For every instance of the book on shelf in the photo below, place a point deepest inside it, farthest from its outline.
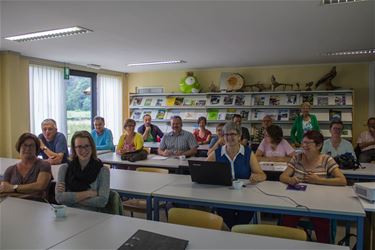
(239, 100)
(261, 100)
(148, 112)
(200, 114)
(307, 98)
(160, 114)
(159, 102)
(215, 99)
(260, 114)
(179, 101)
(201, 102)
(212, 114)
(334, 115)
(189, 115)
(321, 115)
(346, 116)
(321, 101)
(283, 115)
(189, 101)
(228, 99)
(347, 133)
(229, 114)
(340, 100)
(349, 99)
(136, 114)
(170, 100)
(245, 114)
(221, 115)
(172, 113)
(148, 101)
(137, 101)
(146, 240)
(293, 114)
(291, 99)
(274, 100)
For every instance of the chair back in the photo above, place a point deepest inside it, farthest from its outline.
(195, 218)
(153, 170)
(114, 204)
(272, 231)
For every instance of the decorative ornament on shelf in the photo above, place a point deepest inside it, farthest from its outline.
(213, 88)
(190, 84)
(309, 85)
(231, 82)
(327, 80)
(276, 84)
(259, 87)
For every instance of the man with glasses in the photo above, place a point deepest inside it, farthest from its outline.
(366, 142)
(266, 122)
(53, 145)
(335, 145)
(178, 142)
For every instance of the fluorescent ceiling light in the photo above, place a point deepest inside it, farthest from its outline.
(351, 52)
(156, 63)
(329, 2)
(49, 34)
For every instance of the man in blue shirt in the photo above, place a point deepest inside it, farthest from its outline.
(102, 136)
(53, 145)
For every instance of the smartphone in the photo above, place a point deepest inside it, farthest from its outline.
(297, 187)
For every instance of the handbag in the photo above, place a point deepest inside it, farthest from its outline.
(137, 155)
(347, 161)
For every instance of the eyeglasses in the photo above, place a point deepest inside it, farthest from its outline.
(80, 147)
(32, 145)
(230, 134)
(307, 142)
(337, 129)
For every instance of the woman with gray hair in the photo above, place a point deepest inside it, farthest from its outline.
(243, 164)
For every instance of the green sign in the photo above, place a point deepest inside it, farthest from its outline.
(66, 73)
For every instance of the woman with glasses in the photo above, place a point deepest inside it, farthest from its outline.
(29, 178)
(84, 182)
(243, 164)
(273, 146)
(336, 145)
(303, 123)
(130, 140)
(315, 168)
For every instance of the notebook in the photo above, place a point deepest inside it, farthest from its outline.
(146, 240)
(210, 172)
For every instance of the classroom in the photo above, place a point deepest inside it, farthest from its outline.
(278, 97)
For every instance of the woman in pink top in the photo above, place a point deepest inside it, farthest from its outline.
(202, 135)
(273, 147)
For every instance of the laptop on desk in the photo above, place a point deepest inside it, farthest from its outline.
(210, 172)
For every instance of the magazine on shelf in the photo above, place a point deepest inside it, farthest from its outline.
(189, 101)
(200, 114)
(221, 115)
(228, 99)
(148, 112)
(201, 102)
(334, 115)
(229, 114)
(212, 114)
(245, 114)
(189, 115)
(321, 101)
(321, 115)
(274, 100)
(260, 114)
(261, 100)
(283, 115)
(346, 116)
(307, 98)
(340, 100)
(137, 101)
(239, 100)
(172, 113)
(160, 102)
(179, 101)
(291, 99)
(215, 99)
(349, 99)
(171, 100)
(160, 114)
(293, 114)
(136, 115)
(148, 101)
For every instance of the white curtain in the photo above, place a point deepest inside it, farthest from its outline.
(109, 103)
(47, 97)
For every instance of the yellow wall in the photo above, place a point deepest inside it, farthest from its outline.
(348, 76)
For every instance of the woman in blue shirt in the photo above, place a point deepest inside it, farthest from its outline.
(335, 145)
(102, 136)
(244, 165)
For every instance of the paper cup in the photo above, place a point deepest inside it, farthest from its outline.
(59, 211)
(237, 184)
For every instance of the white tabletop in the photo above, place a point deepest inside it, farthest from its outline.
(32, 225)
(368, 171)
(368, 206)
(322, 199)
(100, 152)
(5, 163)
(112, 233)
(156, 145)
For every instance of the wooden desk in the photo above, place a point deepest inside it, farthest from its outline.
(112, 233)
(32, 225)
(322, 201)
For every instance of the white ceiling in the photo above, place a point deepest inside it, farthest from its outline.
(206, 34)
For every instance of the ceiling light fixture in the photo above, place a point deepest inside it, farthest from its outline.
(156, 63)
(351, 52)
(94, 66)
(329, 2)
(49, 34)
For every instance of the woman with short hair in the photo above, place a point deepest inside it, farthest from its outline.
(202, 135)
(130, 140)
(335, 145)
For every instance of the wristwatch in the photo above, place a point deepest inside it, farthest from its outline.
(15, 188)
(44, 148)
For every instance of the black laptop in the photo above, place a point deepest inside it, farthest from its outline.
(210, 172)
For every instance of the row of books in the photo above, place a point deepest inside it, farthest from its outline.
(254, 115)
(296, 99)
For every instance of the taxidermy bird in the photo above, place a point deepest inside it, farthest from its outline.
(327, 80)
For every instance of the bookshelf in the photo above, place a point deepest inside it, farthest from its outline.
(218, 107)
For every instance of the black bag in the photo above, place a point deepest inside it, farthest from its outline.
(347, 161)
(137, 155)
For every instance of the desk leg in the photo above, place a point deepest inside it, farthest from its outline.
(372, 230)
(149, 207)
(156, 209)
(360, 238)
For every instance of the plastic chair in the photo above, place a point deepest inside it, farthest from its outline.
(272, 231)
(139, 205)
(195, 218)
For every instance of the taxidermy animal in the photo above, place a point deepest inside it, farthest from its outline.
(327, 80)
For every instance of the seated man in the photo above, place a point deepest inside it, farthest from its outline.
(178, 141)
(149, 132)
(266, 122)
(102, 136)
(245, 137)
(366, 142)
(53, 144)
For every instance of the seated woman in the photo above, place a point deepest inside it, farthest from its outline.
(315, 168)
(130, 141)
(273, 147)
(244, 165)
(29, 178)
(336, 145)
(84, 182)
(102, 136)
(216, 140)
(202, 135)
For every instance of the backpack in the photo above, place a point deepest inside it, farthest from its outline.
(137, 155)
(347, 161)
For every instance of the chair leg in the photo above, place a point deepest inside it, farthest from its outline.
(131, 214)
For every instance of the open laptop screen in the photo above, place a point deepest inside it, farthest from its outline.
(210, 172)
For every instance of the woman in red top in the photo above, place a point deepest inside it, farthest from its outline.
(202, 135)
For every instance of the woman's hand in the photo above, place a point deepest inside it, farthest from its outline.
(254, 178)
(312, 178)
(5, 187)
(294, 180)
(60, 187)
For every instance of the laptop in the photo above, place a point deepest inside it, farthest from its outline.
(210, 172)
